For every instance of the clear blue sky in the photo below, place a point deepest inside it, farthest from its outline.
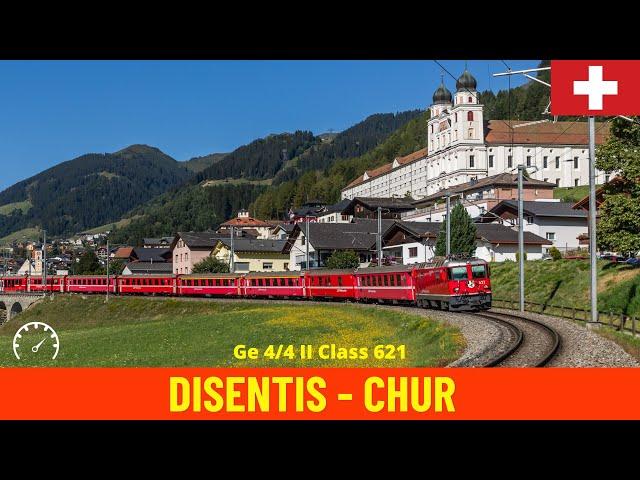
(52, 111)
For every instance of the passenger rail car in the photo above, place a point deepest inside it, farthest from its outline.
(462, 284)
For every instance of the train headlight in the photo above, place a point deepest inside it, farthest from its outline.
(456, 289)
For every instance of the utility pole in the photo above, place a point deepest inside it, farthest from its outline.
(521, 236)
(448, 198)
(592, 221)
(232, 263)
(379, 237)
(306, 234)
(107, 299)
(44, 262)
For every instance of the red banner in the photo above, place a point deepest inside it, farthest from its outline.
(320, 394)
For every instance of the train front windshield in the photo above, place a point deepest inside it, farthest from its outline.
(458, 273)
(478, 271)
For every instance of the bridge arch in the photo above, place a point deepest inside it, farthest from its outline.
(16, 308)
(4, 314)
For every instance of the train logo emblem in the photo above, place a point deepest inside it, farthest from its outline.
(471, 284)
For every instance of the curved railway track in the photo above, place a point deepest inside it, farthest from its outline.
(534, 343)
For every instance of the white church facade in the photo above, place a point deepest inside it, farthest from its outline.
(463, 147)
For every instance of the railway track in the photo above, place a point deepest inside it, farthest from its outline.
(532, 344)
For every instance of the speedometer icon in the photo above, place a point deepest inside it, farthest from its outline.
(36, 338)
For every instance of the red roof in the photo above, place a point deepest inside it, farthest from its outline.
(123, 252)
(246, 222)
(545, 133)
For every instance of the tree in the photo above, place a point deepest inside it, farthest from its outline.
(343, 259)
(88, 264)
(115, 267)
(463, 234)
(619, 222)
(211, 265)
(555, 254)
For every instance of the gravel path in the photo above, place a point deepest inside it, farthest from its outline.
(581, 347)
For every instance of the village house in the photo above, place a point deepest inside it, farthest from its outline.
(555, 221)
(250, 225)
(161, 242)
(478, 196)
(309, 211)
(335, 213)
(325, 238)
(415, 242)
(390, 208)
(253, 255)
(189, 248)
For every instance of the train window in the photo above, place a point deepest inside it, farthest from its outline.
(291, 282)
(478, 271)
(339, 281)
(392, 280)
(374, 281)
(458, 273)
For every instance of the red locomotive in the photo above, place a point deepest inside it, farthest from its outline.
(448, 284)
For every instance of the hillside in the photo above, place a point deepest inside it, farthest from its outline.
(90, 190)
(566, 282)
(207, 201)
(198, 164)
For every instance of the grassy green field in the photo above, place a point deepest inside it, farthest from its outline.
(34, 234)
(236, 181)
(130, 331)
(566, 282)
(572, 194)
(24, 207)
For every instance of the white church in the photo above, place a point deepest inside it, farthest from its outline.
(462, 147)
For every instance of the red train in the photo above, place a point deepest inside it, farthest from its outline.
(445, 284)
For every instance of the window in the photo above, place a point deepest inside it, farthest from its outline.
(606, 179)
(509, 161)
(470, 114)
(286, 265)
(413, 252)
(551, 235)
(455, 117)
(458, 273)
(575, 182)
(267, 265)
(546, 179)
(490, 161)
(575, 162)
(471, 100)
(557, 162)
(303, 240)
(528, 160)
(545, 162)
(242, 266)
(478, 271)
(472, 161)
(557, 182)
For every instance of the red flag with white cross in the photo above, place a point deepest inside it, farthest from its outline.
(595, 87)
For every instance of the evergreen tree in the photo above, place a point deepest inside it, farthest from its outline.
(463, 234)
(343, 259)
(211, 265)
(88, 264)
(619, 223)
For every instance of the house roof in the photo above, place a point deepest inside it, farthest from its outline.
(372, 203)
(387, 167)
(245, 222)
(499, 180)
(148, 267)
(541, 209)
(152, 254)
(546, 133)
(157, 241)
(124, 252)
(255, 245)
(584, 202)
(336, 207)
(287, 227)
(198, 240)
(493, 233)
(342, 236)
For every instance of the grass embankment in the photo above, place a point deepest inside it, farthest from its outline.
(572, 194)
(566, 282)
(130, 331)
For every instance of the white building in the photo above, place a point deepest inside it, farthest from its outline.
(462, 147)
(558, 222)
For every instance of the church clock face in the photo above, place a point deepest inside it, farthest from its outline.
(36, 339)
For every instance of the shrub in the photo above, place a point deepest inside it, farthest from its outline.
(555, 253)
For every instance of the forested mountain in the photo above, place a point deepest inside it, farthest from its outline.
(90, 190)
(261, 158)
(190, 208)
(198, 164)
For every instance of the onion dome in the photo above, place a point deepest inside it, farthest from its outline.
(466, 81)
(442, 95)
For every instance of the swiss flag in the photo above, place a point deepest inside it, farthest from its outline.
(595, 87)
